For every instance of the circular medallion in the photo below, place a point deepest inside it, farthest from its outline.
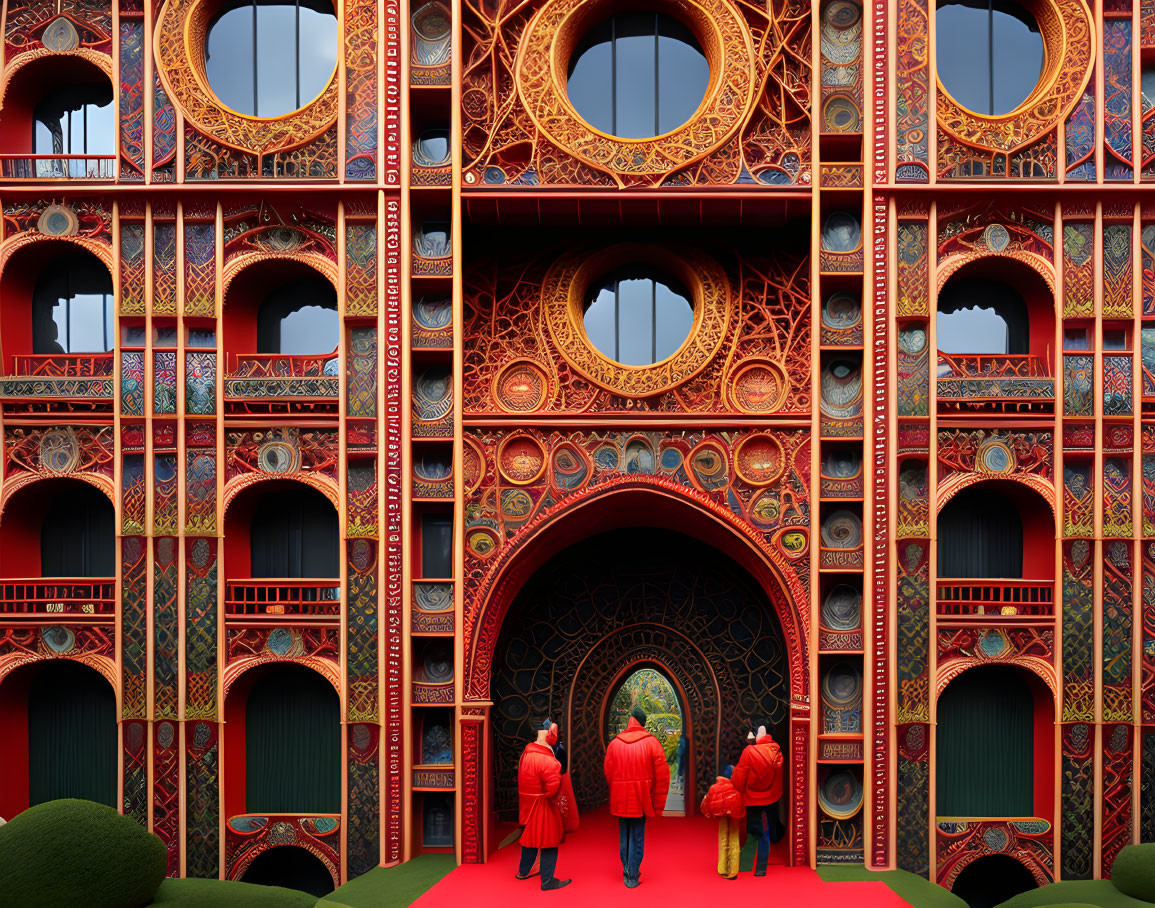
(283, 642)
(840, 114)
(56, 220)
(759, 460)
(709, 466)
(200, 553)
(472, 466)
(521, 459)
(570, 466)
(59, 451)
(481, 541)
(842, 529)
(841, 463)
(671, 459)
(912, 341)
(320, 825)
(993, 643)
(841, 232)
(433, 394)
(521, 387)
(639, 458)
(997, 237)
(842, 686)
(60, 35)
(57, 639)
(433, 314)
(911, 556)
(516, 504)
(759, 386)
(247, 825)
(165, 734)
(841, 310)
(995, 456)
(841, 14)
(606, 457)
(842, 608)
(202, 735)
(361, 555)
(842, 389)
(276, 457)
(361, 737)
(431, 24)
(437, 666)
(433, 597)
(915, 737)
(840, 795)
(542, 68)
(996, 838)
(793, 542)
(765, 509)
(565, 293)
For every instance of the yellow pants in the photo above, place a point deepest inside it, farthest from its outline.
(728, 848)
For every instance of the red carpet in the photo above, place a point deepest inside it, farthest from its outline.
(678, 869)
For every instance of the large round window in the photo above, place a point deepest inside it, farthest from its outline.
(990, 54)
(267, 58)
(637, 75)
(638, 318)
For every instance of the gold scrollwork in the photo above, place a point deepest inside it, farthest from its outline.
(542, 64)
(564, 297)
(179, 46)
(1068, 40)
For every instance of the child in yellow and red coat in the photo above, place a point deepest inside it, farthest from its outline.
(723, 803)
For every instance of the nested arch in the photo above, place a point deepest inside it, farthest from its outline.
(323, 484)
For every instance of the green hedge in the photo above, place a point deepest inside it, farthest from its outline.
(70, 852)
(1133, 872)
(194, 893)
(1100, 893)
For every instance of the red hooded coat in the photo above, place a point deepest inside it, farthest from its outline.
(723, 800)
(758, 775)
(538, 781)
(637, 773)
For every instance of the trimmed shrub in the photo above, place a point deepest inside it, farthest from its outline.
(71, 852)
(1133, 872)
(194, 893)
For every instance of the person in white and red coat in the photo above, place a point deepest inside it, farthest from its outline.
(758, 779)
(538, 784)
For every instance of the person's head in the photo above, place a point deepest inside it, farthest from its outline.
(546, 731)
(762, 735)
(640, 714)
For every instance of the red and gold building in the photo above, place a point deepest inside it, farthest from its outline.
(337, 443)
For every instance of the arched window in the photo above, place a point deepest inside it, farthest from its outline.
(980, 534)
(78, 535)
(650, 689)
(299, 318)
(980, 315)
(72, 307)
(986, 745)
(266, 58)
(431, 149)
(294, 533)
(75, 119)
(292, 867)
(637, 75)
(992, 880)
(994, 56)
(638, 318)
(292, 743)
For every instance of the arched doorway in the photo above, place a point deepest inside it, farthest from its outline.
(992, 880)
(291, 867)
(58, 725)
(618, 602)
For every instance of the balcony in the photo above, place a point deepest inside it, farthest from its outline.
(977, 601)
(54, 381)
(998, 382)
(45, 598)
(258, 601)
(280, 383)
(45, 167)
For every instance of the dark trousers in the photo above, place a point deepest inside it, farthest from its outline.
(548, 863)
(762, 821)
(632, 832)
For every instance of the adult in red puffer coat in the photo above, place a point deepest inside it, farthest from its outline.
(538, 783)
(758, 779)
(639, 780)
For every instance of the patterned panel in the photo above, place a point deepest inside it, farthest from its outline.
(1078, 268)
(1078, 502)
(1117, 613)
(361, 378)
(202, 787)
(164, 268)
(166, 786)
(201, 494)
(1117, 387)
(200, 264)
(1078, 632)
(361, 639)
(913, 842)
(1080, 132)
(360, 269)
(164, 381)
(1078, 384)
(132, 492)
(163, 134)
(1078, 801)
(200, 382)
(1147, 788)
(361, 89)
(165, 628)
(132, 269)
(1117, 293)
(132, 383)
(1117, 756)
(912, 128)
(166, 488)
(135, 803)
(1117, 497)
(1147, 251)
(131, 99)
(364, 774)
(913, 371)
(913, 715)
(913, 273)
(134, 629)
(1118, 161)
(201, 629)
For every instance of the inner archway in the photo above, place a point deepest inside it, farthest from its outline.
(628, 598)
(991, 880)
(651, 689)
(291, 867)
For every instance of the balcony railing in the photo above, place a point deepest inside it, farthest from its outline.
(64, 365)
(987, 365)
(58, 596)
(280, 365)
(982, 598)
(278, 599)
(58, 166)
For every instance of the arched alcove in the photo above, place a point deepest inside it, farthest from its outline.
(58, 725)
(996, 529)
(291, 867)
(58, 528)
(991, 880)
(282, 529)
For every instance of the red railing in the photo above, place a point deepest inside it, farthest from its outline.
(278, 365)
(64, 365)
(999, 598)
(58, 596)
(989, 365)
(58, 166)
(253, 598)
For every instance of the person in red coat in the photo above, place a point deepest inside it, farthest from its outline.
(538, 783)
(723, 803)
(758, 779)
(639, 780)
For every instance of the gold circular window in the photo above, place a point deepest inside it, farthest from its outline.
(1068, 55)
(180, 52)
(566, 292)
(547, 47)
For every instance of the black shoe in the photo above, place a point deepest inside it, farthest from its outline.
(633, 882)
(759, 873)
(555, 883)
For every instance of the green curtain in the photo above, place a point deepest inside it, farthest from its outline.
(293, 744)
(71, 735)
(985, 745)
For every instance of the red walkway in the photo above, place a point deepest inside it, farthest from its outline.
(679, 869)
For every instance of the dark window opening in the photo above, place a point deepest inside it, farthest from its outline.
(994, 56)
(992, 880)
(1115, 340)
(638, 319)
(1075, 339)
(295, 534)
(299, 319)
(432, 148)
(1147, 86)
(75, 119)
(72, 307)
(637, 75)
(980, 534)
(292, 744)
(436, 546)
(78, 536)
(266, 58)
(292, 868)
(978, 315)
